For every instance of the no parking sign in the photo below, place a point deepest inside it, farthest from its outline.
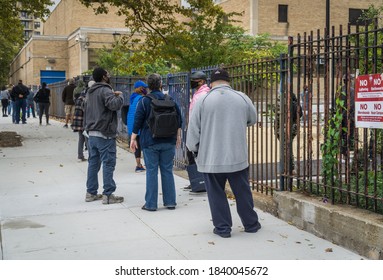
(369, 101)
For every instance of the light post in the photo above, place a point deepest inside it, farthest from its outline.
(116, 37)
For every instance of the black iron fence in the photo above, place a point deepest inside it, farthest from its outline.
(305, 138)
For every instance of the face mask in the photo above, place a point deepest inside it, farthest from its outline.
(193, 84)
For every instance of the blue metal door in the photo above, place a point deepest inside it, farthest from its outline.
(51, 76)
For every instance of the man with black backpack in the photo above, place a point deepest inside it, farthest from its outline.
(158, 118)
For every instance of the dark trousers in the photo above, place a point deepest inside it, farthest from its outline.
(31, 107)
(137, 153)
(190, 157)
(44, 109)
(82, 142)
(219, 206)
(21, 104)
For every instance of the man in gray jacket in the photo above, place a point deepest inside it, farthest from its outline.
(102, 104)
(217, 136)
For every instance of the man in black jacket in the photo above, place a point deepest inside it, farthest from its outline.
(19, 94)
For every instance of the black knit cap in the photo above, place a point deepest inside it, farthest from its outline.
(219, 74)
(198, 75)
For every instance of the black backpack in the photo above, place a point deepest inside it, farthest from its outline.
(163, 119)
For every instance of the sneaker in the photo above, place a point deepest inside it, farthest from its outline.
(222, 234)
(140, 169)
(148, 209)
(254, 230)
(111, 199)
(187, 188)
(197, 193)
(92, 197)
(65, 125)
(171, 207)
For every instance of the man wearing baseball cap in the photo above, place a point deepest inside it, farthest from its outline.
(140, 89)
(217, 135)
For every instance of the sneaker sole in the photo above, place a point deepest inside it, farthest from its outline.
(112, 202)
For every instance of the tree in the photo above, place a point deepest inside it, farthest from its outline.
(11, 31)
(201, 34)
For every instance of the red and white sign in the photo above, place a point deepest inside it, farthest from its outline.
(369, 101)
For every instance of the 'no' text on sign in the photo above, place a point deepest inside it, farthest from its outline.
(369, 101)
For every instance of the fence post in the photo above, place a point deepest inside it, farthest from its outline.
(282, 90)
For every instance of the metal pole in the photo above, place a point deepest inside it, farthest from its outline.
(327, 18)
(282, 89)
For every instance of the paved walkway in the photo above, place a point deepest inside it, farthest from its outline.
(43, 214)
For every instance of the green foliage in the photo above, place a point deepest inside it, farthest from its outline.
(122, 62)
(366, 186)
(186, 37)
(371, 13)
(330, 148)
(11, 31)
(366, 64)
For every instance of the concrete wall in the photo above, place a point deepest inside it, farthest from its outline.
(356, 229)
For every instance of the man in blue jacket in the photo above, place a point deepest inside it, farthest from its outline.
(135, 97)
(102, 104)
(217, 135)
(158, 152)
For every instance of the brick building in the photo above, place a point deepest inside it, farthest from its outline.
(67, 48)
(73, 33)
(283, 18)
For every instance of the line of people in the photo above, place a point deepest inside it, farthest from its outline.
(19, 102)
(220, 152)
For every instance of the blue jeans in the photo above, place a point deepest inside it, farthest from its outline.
(20, 104)
(10, 105)
(160, 155)
(101, 151)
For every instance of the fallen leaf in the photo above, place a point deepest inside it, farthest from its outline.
(61, 165)
(270, 240)
(328, 250)
(211, 243)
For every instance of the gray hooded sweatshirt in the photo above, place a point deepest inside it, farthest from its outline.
(217, 130)
(101, 109)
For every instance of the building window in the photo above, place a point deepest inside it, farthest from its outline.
(282, 13)
(24, 14)
(354, 17)
(37, 24)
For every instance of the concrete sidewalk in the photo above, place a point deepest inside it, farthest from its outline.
(44, 216)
